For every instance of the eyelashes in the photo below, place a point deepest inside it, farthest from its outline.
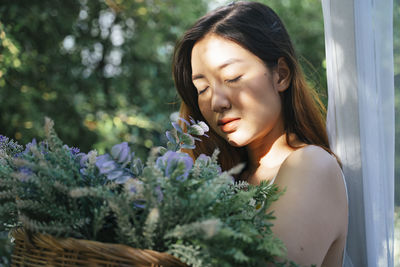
(202, 91)
(234, 80)
(227, 81)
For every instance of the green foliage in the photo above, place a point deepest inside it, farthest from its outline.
(173, 204)
(101, 69)
(40, 179)
(8, 208)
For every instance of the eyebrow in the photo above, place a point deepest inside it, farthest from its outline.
(225, 64)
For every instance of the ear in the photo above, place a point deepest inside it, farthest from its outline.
(282, 75)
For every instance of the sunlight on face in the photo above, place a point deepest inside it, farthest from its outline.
(237, 92)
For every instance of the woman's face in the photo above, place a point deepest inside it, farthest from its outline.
(237, 94)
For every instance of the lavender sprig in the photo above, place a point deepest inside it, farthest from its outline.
(178, 139)
(9, 146)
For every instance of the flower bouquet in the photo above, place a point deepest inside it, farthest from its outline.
(170, 211)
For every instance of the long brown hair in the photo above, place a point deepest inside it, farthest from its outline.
(257, 28)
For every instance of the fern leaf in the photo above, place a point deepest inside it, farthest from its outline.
(150, 227)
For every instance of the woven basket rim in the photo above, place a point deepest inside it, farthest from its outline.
(107, 251)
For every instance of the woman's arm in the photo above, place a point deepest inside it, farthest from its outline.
(311, 213)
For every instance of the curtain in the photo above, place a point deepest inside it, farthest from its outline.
(360, 121)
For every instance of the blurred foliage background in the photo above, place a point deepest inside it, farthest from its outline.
(101, 69)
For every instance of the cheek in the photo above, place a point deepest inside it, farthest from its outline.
(205, 109)
(260, 104)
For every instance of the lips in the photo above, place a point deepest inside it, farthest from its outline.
(228, 125)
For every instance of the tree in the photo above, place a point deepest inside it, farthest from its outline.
(100, 69)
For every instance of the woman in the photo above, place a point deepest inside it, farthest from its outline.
(236, 69)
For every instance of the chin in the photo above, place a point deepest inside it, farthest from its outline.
(237, 141)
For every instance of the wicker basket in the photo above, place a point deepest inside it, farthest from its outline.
(45, 250)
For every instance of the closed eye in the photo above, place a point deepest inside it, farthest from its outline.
(202, 91)
(234, 80)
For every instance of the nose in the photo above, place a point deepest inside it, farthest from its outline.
(220, 101)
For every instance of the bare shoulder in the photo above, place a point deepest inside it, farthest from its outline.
(312, 160)
(310, 166)
(314, 171)
(311, 214)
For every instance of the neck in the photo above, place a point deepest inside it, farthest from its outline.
(266, 154)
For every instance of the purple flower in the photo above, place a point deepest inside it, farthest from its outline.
(25, 173)
(161, 162)
(73, 150)
(184, 121)
(83, 161)
(121, 152)
(29, 145)
(26, 170)
(112, 170)
(44, 147)
(141, 204)
(176, 163)
(10, 147)
(83, 158)
(192, 121)
(170, 137)
(83, 171)
(106, 164)
(177, 127)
